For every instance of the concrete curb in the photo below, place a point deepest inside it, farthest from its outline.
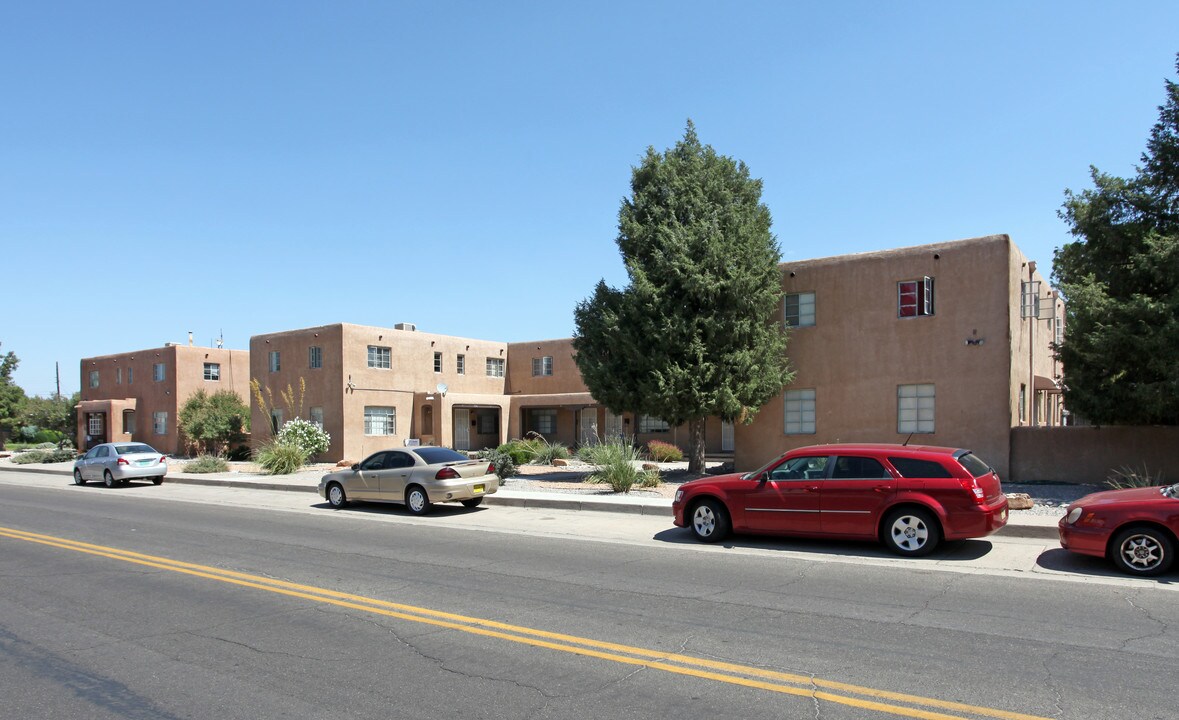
(1045, 529)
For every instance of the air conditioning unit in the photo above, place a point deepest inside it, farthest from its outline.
(405, 326)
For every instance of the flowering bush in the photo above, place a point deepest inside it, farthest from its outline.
(305, 435)
(664, 452)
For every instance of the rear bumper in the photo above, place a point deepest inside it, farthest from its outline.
(462, 488)
(131, 472)
(979, 521)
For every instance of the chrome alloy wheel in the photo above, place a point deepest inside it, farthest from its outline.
(1142, 552)
(909, 533)
(704, 520)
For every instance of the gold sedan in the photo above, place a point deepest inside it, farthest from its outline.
(416, 477)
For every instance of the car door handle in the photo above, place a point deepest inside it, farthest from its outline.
(882, 488)
(813, 488)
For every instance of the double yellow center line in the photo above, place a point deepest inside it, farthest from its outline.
(857, 696)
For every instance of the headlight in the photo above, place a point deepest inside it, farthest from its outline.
(679, 495)
(1074, 515)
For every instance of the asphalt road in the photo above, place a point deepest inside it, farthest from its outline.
(192, 602)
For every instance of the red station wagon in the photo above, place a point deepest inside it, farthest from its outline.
(908, 497)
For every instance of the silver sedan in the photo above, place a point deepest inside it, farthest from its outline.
(416, 477)
(119, 462)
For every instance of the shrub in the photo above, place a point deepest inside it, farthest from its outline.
(1130, 477)
(238, 453)
(664, 452)
(616, 466)
(650, 479)
(304, 434)
(279, 458)
(51, 455)
(545, 452)
(206, 464)
(505, 466)
(521, 451)
(46, 445)
(64, 454)
(30, 457)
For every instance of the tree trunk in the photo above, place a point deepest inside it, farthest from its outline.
(696, 446)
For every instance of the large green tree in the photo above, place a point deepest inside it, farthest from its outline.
(53, 413)
(12, 397)
(694, 334)
(1120, 280)
(214, 422)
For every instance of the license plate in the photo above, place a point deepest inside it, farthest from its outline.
(479, 488)
(144, 462)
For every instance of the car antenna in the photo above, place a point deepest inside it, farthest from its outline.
(906, 442)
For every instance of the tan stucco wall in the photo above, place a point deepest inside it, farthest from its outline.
(1091, 454)
(183, 376)
(859, 351)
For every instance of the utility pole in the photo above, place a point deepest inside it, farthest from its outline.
(57, 371)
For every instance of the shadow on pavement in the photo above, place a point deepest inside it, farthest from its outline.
(954, 551)
(1061, 560)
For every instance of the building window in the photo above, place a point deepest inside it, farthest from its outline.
(157, 372)
(380, 420)
(649, 424)
(275, 361)
(495, 367)
(1023, 404)
(380, 357)
(93, 378)
(317, 417)
(119, 376)
(542, 421)
(94, 425)
(488, 422)
(315, 357)
(915, 297)
(275, 419)
(159, 423)
(542, 366)
(129, 422)
(1059, 328)
(212, 371)
(800, 412)
(460, 365)
(915, 408)
(799, 309)
(437, 362)
(1030, 305)
(130, 375)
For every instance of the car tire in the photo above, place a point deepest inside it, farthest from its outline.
(336, 496)
(709, 521)
(78, 479)
(911, 532)
(473, 502)
(108, 479)
(1142, 551)
(417, 501)
(158, 480)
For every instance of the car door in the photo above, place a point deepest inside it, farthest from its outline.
(784, 499)
(365, 483)
(398, 466)
(104, 458)
(857, 490)
(86, 467)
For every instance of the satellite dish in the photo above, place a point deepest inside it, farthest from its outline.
(441, 388)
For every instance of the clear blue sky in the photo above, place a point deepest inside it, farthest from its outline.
(250, 167)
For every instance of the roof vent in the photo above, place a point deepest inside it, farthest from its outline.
(168, 344)
(405, 326)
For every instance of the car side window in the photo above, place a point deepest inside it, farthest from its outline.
(801, 468)
(104, 451)
(374, 462)
(850, 467)
(396, 460)
(914, 468)
(91, 454)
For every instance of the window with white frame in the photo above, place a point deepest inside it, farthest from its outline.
(437, 362)
(542, 420)
(915, 297)
(542, 366)
(317, 416)
(159, 423)
(315, 357)
(275, 360)
(380, 420)
(460, 365)
(157, 372)
(800, 411)
(213, 371)
(93, 378)
(651, 424)
(495, 367)
(1029, 306)
(380, 357)
(94, 424)
(798, 309)
(915, 408)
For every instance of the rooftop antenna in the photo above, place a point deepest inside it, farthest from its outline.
(906, 442)
(221, 339)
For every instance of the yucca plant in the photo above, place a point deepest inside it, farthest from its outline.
(1130, 477)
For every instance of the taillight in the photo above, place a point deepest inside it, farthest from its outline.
(971, 486)
(490, 468)
(163, 460)
(122, 461)
(447, 473)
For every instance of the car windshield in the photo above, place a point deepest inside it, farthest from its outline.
(764, 468)
(135, 449)
(437, 455)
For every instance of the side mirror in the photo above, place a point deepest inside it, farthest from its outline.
(356, 467)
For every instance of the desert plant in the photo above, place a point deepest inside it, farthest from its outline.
(1130, 477)
(62, 454)
(206, 464)
(664, 452)
(543, 451)
(505, 466)
(29, 457)
(617, 466)
(521, 451)
(306, 435)
(279, 458)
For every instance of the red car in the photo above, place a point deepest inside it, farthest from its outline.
(1136, 528)
(908, 497)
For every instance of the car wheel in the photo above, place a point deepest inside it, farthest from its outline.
(78, 479)
(417, 500)
(1143, 551)
(710, 521)
(473, 502)
(911, 532)
(335, 496)
(108, 479)
(158, 480)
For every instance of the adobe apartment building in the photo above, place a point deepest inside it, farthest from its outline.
(138, 395)
(949, 343)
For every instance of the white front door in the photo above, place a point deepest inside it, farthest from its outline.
(727, 439)
(462, 429)
(589, 426)
(613, 426)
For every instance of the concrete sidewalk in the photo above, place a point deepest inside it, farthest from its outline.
(1020, 523)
